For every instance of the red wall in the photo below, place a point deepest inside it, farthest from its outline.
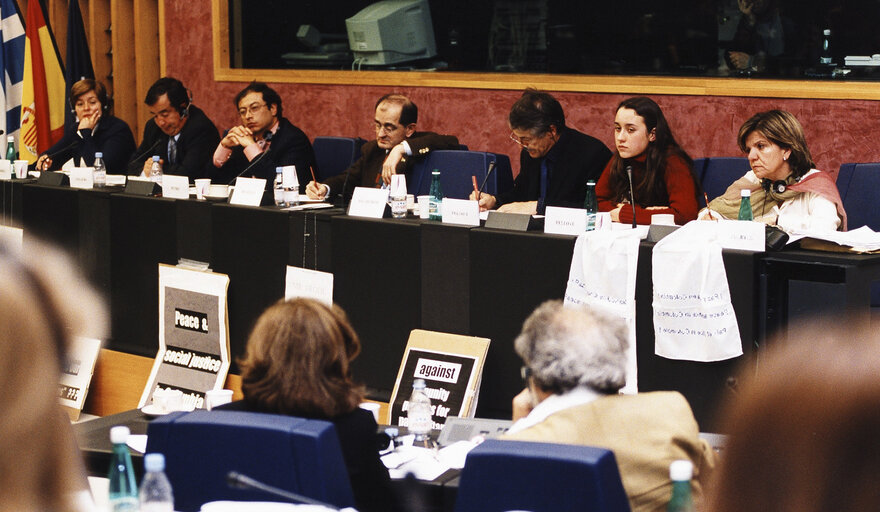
(837, 131)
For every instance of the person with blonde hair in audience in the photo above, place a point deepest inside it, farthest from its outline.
(43, 304)
(803, 429)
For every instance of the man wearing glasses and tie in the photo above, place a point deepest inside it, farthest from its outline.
(396, 147)
(263, 141)
(179, 132)
(555, 161)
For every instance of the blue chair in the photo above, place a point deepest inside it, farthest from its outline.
(295, 454)
(503, 475)
(456, 169)
(721, 172)
(858, 185)
(334, 155)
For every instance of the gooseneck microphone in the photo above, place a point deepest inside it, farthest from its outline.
(632, 200)
(488, 173)
(236, 480)
(53, 154)
(141, 155)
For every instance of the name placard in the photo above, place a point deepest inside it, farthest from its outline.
(565, 221)
(742, 235)
(82, 177)
(461, 211)
(312, 284)
(368, 202)
(5, 170)
(248, 191)
(175, 187)
(76, 374)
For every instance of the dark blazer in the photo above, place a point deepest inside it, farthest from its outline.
(368, 168)
(289, 146)
(112, 137)
(573, 160)
(195, 146)
(359, 439)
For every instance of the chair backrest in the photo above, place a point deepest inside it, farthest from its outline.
(334, 155)
(503, 475)
(295, 454)
(456, 169)
(858, 185)
(721, 172)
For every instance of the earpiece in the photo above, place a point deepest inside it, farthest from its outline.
(184, 111)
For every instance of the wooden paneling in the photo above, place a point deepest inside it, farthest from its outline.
(146, 51)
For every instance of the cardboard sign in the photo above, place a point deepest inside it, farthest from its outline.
(311, 284)
(565, 221)
(175, 187)
(451, 366)
(368, 202)
(193, 351)
(461, 211)
(82, 177)
(248, 191)
(76, 374)
(5, 170)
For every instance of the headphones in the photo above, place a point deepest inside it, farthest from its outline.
(184, 111)
(777, 187)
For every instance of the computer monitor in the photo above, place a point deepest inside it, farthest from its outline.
(391, 31)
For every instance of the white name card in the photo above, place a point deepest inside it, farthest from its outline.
(5, 170)
(175, 187)
(248, 191)
(742, 235)
(368, 202)
(311, 284)
(461, 211)
(565, 221)
(82, 177)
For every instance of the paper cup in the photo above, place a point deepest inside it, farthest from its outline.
(410, 202)
(217, 397)
(20, 167)
(373, 407)
(603, 221)
(663, 219)
(202, 185)
(424, 209)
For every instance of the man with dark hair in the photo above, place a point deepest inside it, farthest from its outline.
(396, 139)
(179, 132)
(265, 140)
(555, 162)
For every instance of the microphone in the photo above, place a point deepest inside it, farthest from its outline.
(488, 173)
(253, 163)
(141, 155)
(632, 200)
(236, 480)
(53, 154)
(344, 184)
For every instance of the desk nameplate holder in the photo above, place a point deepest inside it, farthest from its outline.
(53, 178)
(513, 221)
(141, 188)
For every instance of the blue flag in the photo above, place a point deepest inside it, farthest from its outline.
(12, 64)
(78, 64)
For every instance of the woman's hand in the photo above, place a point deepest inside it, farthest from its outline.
(88, 122)
(43, 163)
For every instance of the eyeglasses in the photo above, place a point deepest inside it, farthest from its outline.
(387, 127)
(253, 109)
(525, 141)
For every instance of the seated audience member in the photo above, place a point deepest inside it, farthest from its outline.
(766, 40)
(396, 139)
(179, 132)
(43, 304)
(555, 161)
(803, 426)
(97, 130)
(298, 362)
(265, 140)
(786, 191)
(575, 364)
(662, 173)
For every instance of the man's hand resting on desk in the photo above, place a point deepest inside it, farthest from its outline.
(316, 190)
(527, 207)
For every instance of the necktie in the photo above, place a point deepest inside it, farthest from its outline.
(172, 151)
(544, 176)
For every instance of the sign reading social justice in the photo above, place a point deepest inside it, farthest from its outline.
(451, 366)
(193, 335)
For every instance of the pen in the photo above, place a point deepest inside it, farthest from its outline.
(312, 170)
(476, 188)
(706, 196)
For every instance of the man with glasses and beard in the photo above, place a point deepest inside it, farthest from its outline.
(263, 141)
(396, 147)
(555, 162)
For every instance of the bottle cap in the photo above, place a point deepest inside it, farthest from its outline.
(154, 462)
(155, 158)
(419, 384)
(745, 193)
(11, 138)
(827, 32)
(119, 434)
(392, 432)
(278, 170)
(435, 172)
(98, 154)
(681, 470)
(591, 183)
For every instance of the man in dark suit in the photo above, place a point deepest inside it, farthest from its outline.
(265, 140)
(395, 149)
(555, 162)
(179, 132)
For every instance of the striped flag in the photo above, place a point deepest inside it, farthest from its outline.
(78, 64)
(12, 64)
(42, 93)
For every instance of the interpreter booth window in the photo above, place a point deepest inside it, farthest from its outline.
(740, 38)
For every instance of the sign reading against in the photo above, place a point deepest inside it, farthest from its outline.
(76, 374)
(193, 335)
(451, 366)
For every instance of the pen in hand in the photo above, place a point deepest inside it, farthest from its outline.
(476, 188)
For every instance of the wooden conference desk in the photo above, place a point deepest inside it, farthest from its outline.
(392, 276)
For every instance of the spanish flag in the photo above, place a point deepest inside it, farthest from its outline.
(42, 95)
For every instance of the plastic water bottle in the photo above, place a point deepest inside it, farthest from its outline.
(100, 174)
(123, 491)
(291, 189)
(155, 492)
(745, 205)
(435, 203)
(825, 51)
(591, 205)
(419, 416)
(681, 472)
(397, 197)
(10, 154)
(279, 188)
(156, 171)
